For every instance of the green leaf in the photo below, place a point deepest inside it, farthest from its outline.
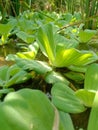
(25, 24)
(73, 57)
(91, 77)
(46, 41)
(54, 77)
(38, 66)
(65, 99)
(3, 70)
(25, 37)
(77, 77)
(34, 47)
(5, 91)
(65, 121)
(31, 53)
(86, 35)
(60, 52)
(93, 119)
(78, 68)
(28, 110)
(26, 55)
(20, 77)
(5, 28)
(66, 43)
(87, 96)
(12, 75)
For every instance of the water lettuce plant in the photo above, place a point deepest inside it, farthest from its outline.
(67, 76)
(5, 30)
(59, 54)
(42, 68)
(24, 110)
(86, 35)
(12, 75)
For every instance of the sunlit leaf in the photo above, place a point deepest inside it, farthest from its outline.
(31, 53)
(86, 96)
(26, 55)
(46, 41)
(91, 77)
(73, 56)
(86, 35)
(5, 30)
(61, 52)
(93, 119)
(54, 77)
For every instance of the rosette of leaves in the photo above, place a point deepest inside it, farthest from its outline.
(89, 95)
(12, 75)
(60, 52)
(31, 110)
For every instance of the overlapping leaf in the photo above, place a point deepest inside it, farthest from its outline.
(5, 30)
(91, 77)
(38, 66)
(54, 77)
(46, 41)
(66, 122)
(65, 99)
(28, 110)
(25, 37)
(12, 75)
(93, 120)
(87, 94)
(75, 57)
(61, 55)
(86, 35)
(77, 77)
(30, 53)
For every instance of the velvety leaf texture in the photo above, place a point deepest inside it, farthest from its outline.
(26, 109)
